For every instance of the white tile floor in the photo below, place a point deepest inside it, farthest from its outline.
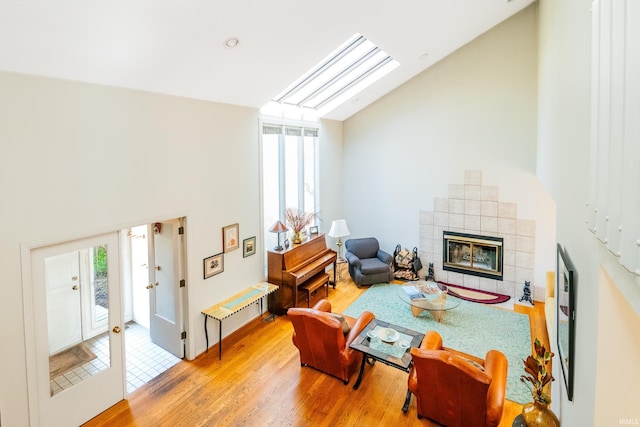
(145, 360)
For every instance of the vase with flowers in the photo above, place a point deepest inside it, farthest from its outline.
(298, 220)
(538, 376)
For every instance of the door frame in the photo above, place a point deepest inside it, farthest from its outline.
(28, 295)
(111, 386)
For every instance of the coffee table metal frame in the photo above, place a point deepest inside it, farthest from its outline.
(394, 357)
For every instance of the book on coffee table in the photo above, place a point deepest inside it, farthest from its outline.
(413, 292)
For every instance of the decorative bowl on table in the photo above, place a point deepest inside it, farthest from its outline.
(388, 335)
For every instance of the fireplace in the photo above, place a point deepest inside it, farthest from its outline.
(472, 254)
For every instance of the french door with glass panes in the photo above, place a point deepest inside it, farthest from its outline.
(77, 330)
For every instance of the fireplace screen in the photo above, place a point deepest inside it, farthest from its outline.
(471, 254)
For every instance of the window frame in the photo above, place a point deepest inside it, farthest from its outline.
(307, 129)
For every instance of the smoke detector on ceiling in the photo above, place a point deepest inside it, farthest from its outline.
(231, 42)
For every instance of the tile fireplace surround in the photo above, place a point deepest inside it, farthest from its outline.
(474, 208)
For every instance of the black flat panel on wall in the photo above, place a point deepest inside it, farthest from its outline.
(566, 283)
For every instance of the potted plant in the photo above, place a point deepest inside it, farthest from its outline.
(298, 220)
(538, 376)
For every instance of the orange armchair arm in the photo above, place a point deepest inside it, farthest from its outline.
(362, 321)
(432, 341)
(496, 366)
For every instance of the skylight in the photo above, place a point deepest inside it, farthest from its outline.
(348, 70)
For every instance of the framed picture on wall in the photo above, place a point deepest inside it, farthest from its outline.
(249, 246)
(213, 265)
(230, 235)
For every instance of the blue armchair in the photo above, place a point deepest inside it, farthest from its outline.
(368, 264)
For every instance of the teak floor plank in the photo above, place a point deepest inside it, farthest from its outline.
(259, 382)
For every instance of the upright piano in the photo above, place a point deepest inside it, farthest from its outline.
(292, 267)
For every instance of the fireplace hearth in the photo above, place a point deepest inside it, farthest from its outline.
(472, 254)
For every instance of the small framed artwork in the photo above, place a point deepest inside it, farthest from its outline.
(230, 235)
(249, 246)
(213, 265)
(313, 229)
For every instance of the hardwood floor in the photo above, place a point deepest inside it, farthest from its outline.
(260, 382)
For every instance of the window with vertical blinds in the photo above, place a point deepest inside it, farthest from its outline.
(288, 173)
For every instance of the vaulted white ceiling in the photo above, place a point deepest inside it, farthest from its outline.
(177, 47)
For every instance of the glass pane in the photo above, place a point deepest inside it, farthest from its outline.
(291, 171)
(62, 275)
(99, 278)
(77, 296)
(270, 187)
(309, 175)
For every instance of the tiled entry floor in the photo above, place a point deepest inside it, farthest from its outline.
(145, 360)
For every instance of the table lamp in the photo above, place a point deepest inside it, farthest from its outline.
(339, 229)
(279, 228)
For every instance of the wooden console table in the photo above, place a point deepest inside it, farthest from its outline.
(234, 304)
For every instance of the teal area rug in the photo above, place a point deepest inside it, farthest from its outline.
(471, 327)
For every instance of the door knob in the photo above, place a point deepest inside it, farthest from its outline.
(116, 329)
(149, 286)
(74, 287)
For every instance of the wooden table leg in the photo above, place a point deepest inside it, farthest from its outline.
(416, 311)
(437, 314)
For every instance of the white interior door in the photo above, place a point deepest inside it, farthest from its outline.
(165, 271)
(85, 396)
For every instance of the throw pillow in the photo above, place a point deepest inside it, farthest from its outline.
(343, 323)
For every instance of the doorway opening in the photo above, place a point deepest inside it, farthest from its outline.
(152, 295)
(152, 261)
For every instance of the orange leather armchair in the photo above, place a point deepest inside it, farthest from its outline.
(320, 339)
(452, 391)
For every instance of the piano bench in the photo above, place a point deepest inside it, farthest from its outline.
(316, 282)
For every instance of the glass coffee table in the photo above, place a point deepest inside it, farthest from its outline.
(386, 343)
(424, 295)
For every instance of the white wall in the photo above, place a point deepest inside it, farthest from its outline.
(73, 160)
(608, 330)
(474, 110)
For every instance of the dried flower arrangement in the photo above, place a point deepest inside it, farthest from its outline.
(298, 220)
